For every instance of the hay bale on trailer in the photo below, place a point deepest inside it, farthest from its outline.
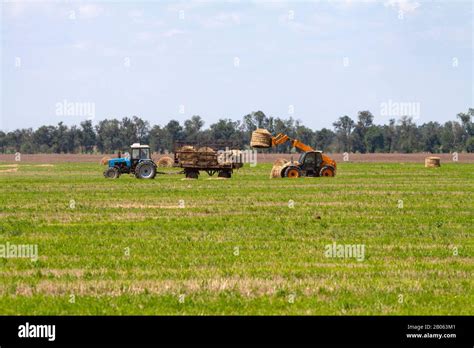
(203, 156)
(187, 154)
(187, 148)
(261, 138)
(432, 162)
(206, 149)
(165, 162)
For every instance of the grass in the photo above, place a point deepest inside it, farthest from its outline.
(128, 247)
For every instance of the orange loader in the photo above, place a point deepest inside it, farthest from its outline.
(311, 163)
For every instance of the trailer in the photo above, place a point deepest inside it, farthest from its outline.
(212, 159)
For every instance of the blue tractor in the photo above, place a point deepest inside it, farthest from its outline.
(138, 163)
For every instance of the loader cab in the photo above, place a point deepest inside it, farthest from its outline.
(311, 162)
(139, 153)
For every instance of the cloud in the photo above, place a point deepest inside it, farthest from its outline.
(21, 8)
(15, 8)
(221, 20)
(90, 11)
(97, 48)
(298, 26)
(187, 5)
(136, 15)
(173, 32)
(315, 24)
(271, 4)
(80, 45)
(145, 36)
(406, 6)
(445, 33)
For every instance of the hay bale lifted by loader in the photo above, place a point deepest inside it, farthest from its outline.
(261, 139)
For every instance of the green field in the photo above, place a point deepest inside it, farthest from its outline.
(238, 246)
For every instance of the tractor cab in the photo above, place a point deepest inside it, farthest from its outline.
(139, 153)
(311, 162)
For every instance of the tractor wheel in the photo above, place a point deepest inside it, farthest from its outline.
(145, 170)
(192, 174)
(326, 171)
(292, 172)
(112, 173)
(224, 174)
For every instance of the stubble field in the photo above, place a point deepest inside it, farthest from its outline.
(247, 245)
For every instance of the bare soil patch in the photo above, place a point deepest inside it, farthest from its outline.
(262, 157)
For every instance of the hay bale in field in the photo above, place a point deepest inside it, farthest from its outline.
(432, 162)
(276, 172)
(280, 162)
(261, 138)
(165, 162)
(105, 160)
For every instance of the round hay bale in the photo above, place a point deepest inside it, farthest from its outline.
(280, 162)
(432, 162)
(187, 153)
(261, 138)
(165, 162)
(276, 172)
(105, 160)
(206, 149)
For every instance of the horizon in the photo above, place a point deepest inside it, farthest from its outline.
(95, 122)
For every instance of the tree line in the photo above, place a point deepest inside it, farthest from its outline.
(348, 135)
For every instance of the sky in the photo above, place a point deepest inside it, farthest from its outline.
(160, 60)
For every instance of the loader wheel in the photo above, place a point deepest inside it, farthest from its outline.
(326, 171)
(112, 173)
(292, 172)
(145, 170)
